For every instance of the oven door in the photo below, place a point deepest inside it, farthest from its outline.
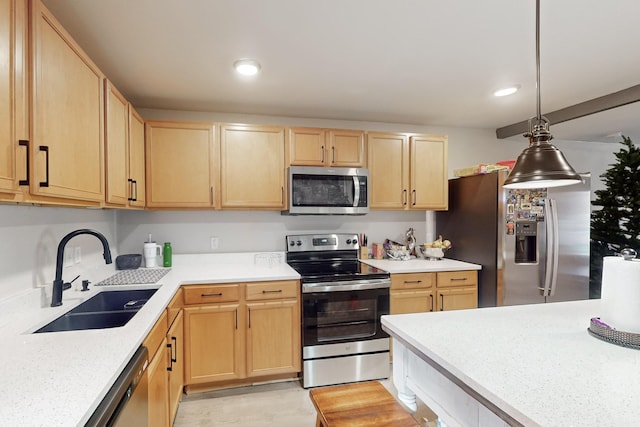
(338, 316)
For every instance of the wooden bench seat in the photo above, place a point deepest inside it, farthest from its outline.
(359, 405)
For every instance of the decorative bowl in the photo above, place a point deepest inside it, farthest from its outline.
(399, 254)
(432, 253)
(128, 261)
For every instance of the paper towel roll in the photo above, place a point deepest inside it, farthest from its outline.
(620, 293)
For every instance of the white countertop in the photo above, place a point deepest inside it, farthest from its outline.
(59, 378)
(536, 363)
(420, 265)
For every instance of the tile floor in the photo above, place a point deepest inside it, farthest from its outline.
(284, 404)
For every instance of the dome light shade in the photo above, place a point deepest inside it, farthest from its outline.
(247, 67)
(541, 165)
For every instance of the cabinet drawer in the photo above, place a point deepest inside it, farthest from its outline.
(412, 280)
(457, 278)
(272, 290)
(157, 335)
(211, 294)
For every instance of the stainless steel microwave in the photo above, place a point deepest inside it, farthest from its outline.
(328, 191)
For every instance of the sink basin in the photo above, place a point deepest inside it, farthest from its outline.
(108, 309)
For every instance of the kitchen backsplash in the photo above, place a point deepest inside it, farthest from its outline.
(29, 236)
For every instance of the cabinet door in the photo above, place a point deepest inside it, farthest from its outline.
(116, 145)
(347, 148)
(414, 301)
(273, 337)
(252, 166)
(457, 298)
(175, 339)
(307, 147)
(180, 160)
(159, 389)
(429, 184)
(214, 343)
(14, 131)
(67, 122)
(388, 170)
(136, 177)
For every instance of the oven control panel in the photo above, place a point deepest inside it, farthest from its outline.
(322, 242)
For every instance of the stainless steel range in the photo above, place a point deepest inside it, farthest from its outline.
(342, 301)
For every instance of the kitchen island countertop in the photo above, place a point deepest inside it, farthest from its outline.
(532, 365)
(59, 378)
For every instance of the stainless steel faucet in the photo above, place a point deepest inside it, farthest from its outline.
(58, 284)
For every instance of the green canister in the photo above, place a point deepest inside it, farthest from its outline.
(166, 254)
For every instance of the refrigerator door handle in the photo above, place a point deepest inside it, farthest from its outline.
(551, 271)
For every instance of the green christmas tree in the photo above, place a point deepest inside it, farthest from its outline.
(617, 224)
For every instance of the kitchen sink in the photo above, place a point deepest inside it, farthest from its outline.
(108, 309)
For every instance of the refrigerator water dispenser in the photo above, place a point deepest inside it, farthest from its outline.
(526, 242)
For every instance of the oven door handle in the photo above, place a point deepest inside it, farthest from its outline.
(346, 286)
(356, 191)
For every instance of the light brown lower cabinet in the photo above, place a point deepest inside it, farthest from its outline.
(165, 373)
(175, 344)
(158, 389)
(424, 292)
(243, 330)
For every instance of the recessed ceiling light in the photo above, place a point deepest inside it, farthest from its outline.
(506, 91)
(247, 67)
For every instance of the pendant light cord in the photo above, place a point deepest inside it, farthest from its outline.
(538, 111)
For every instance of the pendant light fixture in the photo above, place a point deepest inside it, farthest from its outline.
(541, 164)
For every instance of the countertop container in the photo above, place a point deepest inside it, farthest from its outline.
(128, 261)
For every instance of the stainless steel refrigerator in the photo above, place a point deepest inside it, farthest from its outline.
(533, 245)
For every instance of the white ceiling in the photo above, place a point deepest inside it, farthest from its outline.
(424, 62)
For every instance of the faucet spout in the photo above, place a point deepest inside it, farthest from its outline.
(58, 285)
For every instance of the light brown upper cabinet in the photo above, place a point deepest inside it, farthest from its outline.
(116, 146)
(326, 147)
(181, 164)
(14, 103)
(67, 115)
(124, 149)
(407, 171)
(136, 178)
(252, 171)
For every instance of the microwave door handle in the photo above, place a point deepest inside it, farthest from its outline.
(356, 191)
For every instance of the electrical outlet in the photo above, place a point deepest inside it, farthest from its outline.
(77, 254)
(68, 256)
(214, 243)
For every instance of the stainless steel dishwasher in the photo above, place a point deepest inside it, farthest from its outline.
(126, 403)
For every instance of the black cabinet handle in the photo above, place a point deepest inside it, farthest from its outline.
(275, 291)
(135, 197)
(170, 367)
(404, 197)
(219, 294)
(174, 349)
(25, 143)
(441, 302)
(322, 148)
(46, 182)
(414, 197)
(130, 198)
(333, 155)
(431, 296)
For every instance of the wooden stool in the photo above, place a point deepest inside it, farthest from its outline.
(359, 405)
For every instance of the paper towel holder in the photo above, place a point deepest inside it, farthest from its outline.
(628, 254)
